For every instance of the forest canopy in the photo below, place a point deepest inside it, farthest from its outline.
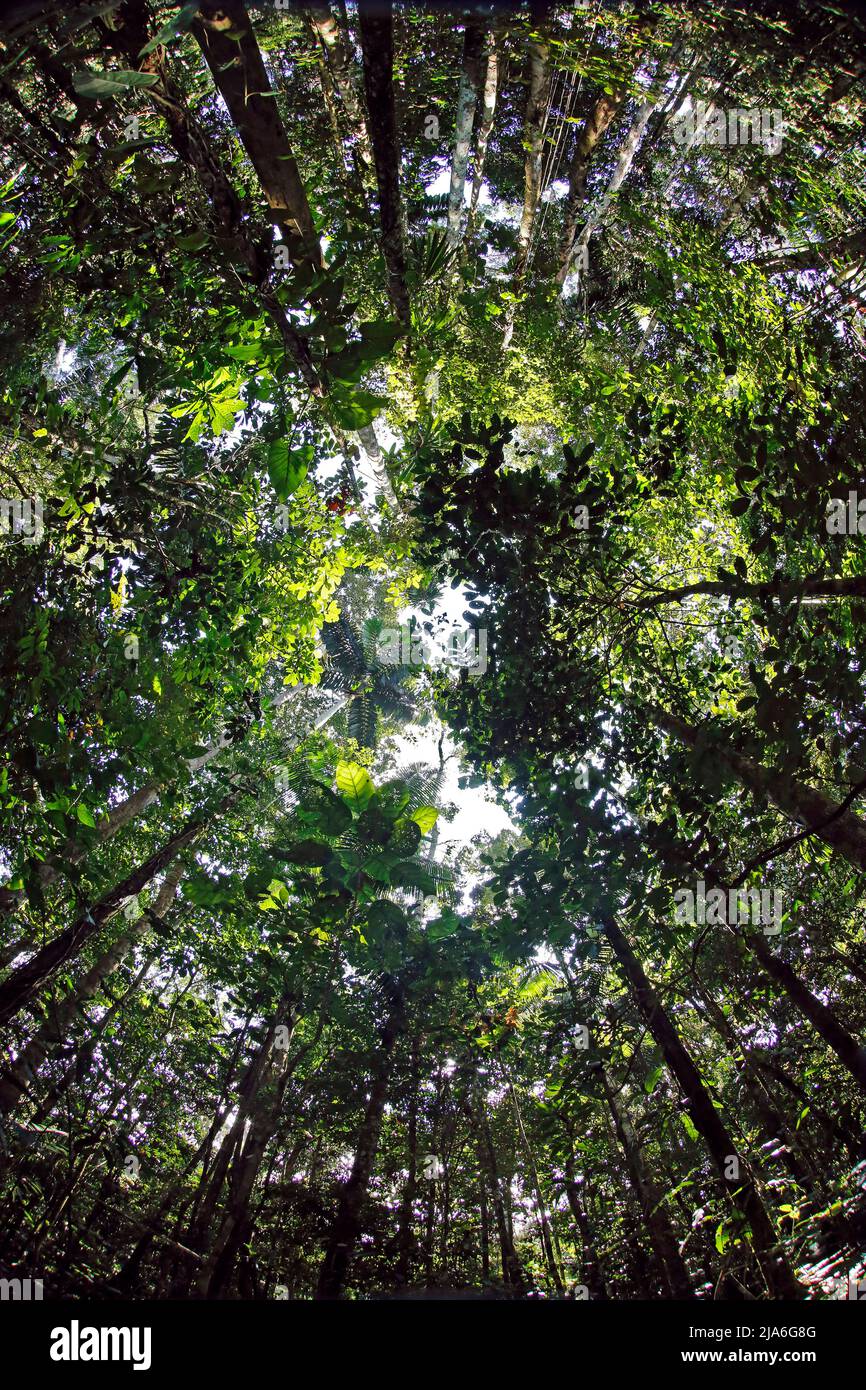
(433, 759)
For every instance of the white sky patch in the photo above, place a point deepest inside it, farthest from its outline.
(442, 184)
(477, 809)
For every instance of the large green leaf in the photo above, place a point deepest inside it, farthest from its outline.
(287, 468)
(111, 84)
(425, 817)
(354, 785)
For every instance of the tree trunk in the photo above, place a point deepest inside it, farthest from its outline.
(265, 1102)
(240, 78)
(774, 1266)
(596, 123)
(775, 1130)
(16, 1079)
(672, 1267)
(485, 128)
(328, 31)
(801, 803)
(593, 1268)
(512, 1271)
(347, 1224)
(22, 985)
(543, 1216)
(377, 44)
(537, 99)
(406, 1217)
(467, 101)
(852, 586)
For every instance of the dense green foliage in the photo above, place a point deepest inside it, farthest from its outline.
(269, 1029)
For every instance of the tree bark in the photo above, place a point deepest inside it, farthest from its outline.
(485, 128)
(603, 113)
(377, 44)
(21, 986)
(774, 1266)
(240, 78)
(341, 68)
(467, 101)
(801, 803)
(16, 1079)
(593, 1268)
(537, 99)
(347, 1224)
(672, 1267)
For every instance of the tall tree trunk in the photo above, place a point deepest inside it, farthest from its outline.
(265, 1102)
(593, 1268)
(801, 803)
(347, 1224)
(467, 101)
(851, 1054)
(406, 1216)
(512, 1271)
(377, 44)
(544, 1221)
(22, 985)
(484, 1218)
(625, 158)
(335, 47)
(372, 449)
(603, 113)
(16, 1079)
(485, 128)
(672, 1267)
(775, 1130)
(537, 99)
(239, 75)
(738, 1177)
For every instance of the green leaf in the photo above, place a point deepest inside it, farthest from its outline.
(425, 817)
(175, 26)
(689, 1126)
(287, 468)
(444, 925)
(85, 816)
(354, 785)
(360, 409)
(111, 84)
(652, 1080)
(384, 915)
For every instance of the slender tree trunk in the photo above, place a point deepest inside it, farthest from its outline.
(737, 1175)
(372, 449)
(851, 1054)
(406, 1217)
(543, 1215)
(467, 101)
(593, 1268)
(239, 75)
(801, 803)
(334, 44)
(377, 44)
(484, 1217)
(16, 1079)
(852, 586)
(22, 985)
(264, 1112)
(347, 1224)
(603, 113)
(672, 1267)
(537, 99)
(485, 128)
(512, 1271)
